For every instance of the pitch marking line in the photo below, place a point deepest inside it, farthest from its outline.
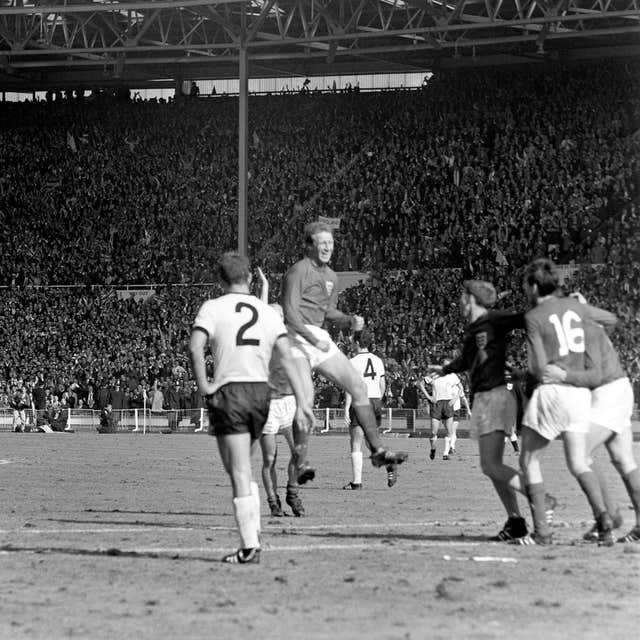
(312, 547)
(186, 552)
(5, 461)
(294, 528)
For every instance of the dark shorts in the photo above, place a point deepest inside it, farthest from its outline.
(442, 410)
(239, 407)
(376, 405)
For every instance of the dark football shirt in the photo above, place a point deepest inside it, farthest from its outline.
(484, 349)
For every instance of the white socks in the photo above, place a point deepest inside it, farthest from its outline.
(248, 520)
(255, 494)
(356, 465)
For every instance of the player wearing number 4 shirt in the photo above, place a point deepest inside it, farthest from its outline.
(555, 334)
(242, 332)
(371, 370)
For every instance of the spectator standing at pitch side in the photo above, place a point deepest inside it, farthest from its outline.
(309, 299)
(242, 332)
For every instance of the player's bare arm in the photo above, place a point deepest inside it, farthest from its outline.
(347, 407)
(264, 286)
(197, 346)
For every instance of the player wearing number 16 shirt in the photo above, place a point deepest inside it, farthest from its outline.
(242, 332)
(555, 328)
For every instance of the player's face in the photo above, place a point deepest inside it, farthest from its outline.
(465, 305)
(322, 248)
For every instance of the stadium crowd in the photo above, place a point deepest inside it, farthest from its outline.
(474, 174)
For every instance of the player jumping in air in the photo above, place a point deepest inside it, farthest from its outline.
(309, 300)
(242, 333)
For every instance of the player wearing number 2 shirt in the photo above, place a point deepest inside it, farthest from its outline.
(555, 334)
(242, 332)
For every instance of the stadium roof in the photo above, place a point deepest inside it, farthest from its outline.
(87, 43)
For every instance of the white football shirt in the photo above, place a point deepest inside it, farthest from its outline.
(371, 369)
(242, 331)
(444, 387)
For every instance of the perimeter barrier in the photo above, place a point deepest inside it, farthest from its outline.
(395, 422)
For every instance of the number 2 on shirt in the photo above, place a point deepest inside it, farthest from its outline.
(570, 337)
(240, 337)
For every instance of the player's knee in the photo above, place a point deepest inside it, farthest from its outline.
(489, 468)
(623, 464)
(578, 466)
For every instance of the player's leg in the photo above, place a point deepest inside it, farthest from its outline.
(301, 432)
(339, 370)
(503, 477)
(435, 428)
(235, 451)
(513, 439)
(448, 425)
(356, 439)
(269, 447)
(620, 449)
(577, 456)
(532, 451)
(292, 497)
(611, 407)
(597, 436)
(453, 434)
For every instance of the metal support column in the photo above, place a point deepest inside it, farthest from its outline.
(243, 150)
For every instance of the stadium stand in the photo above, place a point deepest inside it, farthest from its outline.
(472, 175)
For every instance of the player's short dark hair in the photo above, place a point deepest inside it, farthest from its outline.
(484, 292)
(233, 268)
(364, 338)
(543, 273)
(312, 228)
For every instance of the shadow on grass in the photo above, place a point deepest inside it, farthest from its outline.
(152, 513)
(386, 536)
(112, 552)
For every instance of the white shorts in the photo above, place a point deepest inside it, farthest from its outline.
(493, 410)
(612, 405)
(301, 348)
(556, 408)
(281, 413)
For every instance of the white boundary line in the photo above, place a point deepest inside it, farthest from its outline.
(5, 461)
(185, 552)
(284, 528)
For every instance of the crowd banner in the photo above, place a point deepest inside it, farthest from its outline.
(334, 223)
